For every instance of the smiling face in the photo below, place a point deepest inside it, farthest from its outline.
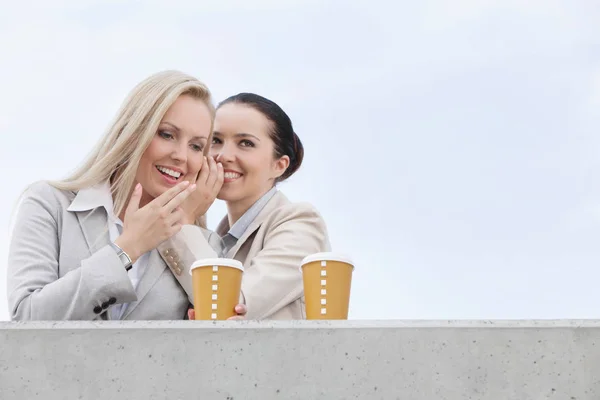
(242, 143)
(175, 153)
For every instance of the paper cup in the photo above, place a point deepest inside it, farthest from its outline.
(327, 278)
(217, 283)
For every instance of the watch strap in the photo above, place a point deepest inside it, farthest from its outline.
(124, 257)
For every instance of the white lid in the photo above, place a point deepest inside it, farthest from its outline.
(221, 262)
(328, 256)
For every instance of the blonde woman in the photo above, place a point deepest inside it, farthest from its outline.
(84, 248)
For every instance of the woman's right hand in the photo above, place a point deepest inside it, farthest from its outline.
(240, 313)
(208, 184)
(145, 228)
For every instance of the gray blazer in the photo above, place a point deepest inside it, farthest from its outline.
(61, 267)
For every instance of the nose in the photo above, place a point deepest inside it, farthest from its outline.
(180, 153)
(223, 154)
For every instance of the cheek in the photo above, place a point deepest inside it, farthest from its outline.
(195, 163)
(144, 166)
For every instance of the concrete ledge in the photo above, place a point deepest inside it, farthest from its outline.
(301, 360)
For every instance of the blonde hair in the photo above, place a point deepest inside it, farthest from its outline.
(118, 153)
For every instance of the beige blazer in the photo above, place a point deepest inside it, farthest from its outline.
(271, 251)
(61, 266)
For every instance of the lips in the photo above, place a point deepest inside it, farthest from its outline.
(170, 172)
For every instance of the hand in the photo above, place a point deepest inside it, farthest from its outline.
(208, 184)
(145, 228)
(240, 310)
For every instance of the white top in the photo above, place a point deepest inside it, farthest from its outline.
(220, 262)
(101, 196)
(327, 256)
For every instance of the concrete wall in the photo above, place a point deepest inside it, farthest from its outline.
(301, 360)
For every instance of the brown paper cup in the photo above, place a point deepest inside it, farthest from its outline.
(327, 279)
(217, 283)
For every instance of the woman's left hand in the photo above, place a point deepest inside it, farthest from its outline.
(240, 310)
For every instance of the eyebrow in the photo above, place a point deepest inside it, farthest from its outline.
(239, 135)
(176, 129)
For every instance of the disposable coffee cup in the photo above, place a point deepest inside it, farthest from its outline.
(216, 283)
(327, 278)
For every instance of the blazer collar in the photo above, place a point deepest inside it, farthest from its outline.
(94, 207)
(275, 202)
(93, 197)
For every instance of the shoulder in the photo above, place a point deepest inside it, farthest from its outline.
(299, 222)
(46, 195)
(285, 210)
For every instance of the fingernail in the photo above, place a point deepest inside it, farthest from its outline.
(138, 187)
(185, 183)
(193, 187)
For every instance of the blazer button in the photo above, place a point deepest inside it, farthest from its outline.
(105, 305)
(112, 301)
(97, 309)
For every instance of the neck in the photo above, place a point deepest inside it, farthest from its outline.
(235, 209)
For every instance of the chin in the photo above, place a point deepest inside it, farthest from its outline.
(226, 195)
(154, 190)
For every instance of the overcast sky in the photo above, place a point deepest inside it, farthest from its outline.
(452, 146)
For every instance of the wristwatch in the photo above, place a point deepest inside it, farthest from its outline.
(124, 257)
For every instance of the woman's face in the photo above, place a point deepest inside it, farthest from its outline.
(242, 143)
(175, 153)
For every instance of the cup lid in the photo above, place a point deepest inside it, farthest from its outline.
(220, 262)
(328, 256)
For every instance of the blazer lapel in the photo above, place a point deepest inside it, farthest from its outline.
(277, 200)
(94, 225)
(154, 270)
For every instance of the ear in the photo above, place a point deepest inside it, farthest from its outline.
(280, 166)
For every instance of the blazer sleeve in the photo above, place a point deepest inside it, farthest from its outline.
(273, 279)
(182, 249)
(35, 290)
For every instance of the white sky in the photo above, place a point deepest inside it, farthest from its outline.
(452, 146)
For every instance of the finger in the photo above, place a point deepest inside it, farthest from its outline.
(212, 165)
(200, 169)
(204, 172)
(191, 314)
(134, 201)
(175, 216)
(179, 198)
(175, 228)
(170, 194)
(241, 309)
(220, 178)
